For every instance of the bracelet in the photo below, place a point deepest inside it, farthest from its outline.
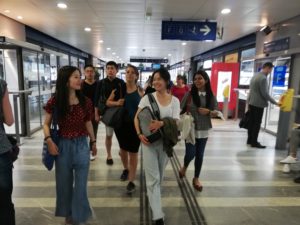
(139, 134)
(92, 142)
(46, 138)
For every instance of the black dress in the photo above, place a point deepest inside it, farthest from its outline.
(126, 134)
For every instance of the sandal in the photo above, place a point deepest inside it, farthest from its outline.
(197, 185)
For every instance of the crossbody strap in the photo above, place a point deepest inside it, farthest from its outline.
(154, 106)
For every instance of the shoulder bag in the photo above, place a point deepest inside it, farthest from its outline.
(47, 158)
(145, 116)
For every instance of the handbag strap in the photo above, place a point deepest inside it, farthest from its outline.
(55, 118)
(154, 106)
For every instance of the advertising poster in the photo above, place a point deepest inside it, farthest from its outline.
(224, 85)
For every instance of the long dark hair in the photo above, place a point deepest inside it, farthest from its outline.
(194, 90)
(62, 91)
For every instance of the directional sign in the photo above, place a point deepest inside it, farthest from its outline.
(189, 31)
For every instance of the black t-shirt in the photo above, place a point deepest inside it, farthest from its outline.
(89, 90)
(105, 87)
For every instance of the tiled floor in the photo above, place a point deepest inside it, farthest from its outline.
(242, 185)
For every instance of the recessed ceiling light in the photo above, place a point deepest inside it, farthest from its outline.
(19, 17)
(226, 11)
(7, 11)
(113, 53)
(299, 34)
(101, 41)
(117, 56)
(87, 29)
(62, 5)
(208, 41)
(108, 49)
(169, 54)
(165, 57)
(183, 43)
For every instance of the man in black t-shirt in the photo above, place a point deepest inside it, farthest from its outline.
(103, 91)
(88, 88)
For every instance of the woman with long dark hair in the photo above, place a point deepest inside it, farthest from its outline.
(202, 105)
(74, 112)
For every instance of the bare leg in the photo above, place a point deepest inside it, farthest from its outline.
(108, 143)
(124, 158)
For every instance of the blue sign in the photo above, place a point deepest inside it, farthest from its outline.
(189, 31)
(279, 76)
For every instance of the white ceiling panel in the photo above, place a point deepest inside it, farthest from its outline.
(123, 27)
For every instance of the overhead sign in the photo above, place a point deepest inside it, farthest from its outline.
(279, 76)
(189, 31)
(278, 45)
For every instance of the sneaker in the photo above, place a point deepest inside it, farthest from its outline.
(109, 162)
(92, 158)
(289, 159)
(297, 180)
(286, 168)
(124, 175)
(130, 187)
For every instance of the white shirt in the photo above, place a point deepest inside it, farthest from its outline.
(171, 110)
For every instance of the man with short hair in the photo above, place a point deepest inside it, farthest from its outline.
(258, 100)
(88, 88)
(103, 91)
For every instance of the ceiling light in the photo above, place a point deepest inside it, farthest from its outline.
(7, 11)
(169, 54)
(108, 49)
(165, 57)
(299, 34)
(208, 41)
(113, 53)
(183, 43)
(87, 29)
(226, 11)
(19, 17)
(62, 5)
(101, 41)
(117, 56)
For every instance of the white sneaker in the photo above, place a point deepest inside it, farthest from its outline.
(289, 159)
(286, 168)
(92, 158)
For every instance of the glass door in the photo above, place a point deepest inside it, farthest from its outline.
(278, 85)
(31, 82)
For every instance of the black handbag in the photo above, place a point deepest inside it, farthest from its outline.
(113, 116)
(15, 150)
(48, 159)
(145, 117)
(244, 122)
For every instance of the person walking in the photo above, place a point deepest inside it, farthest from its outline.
(155, 157)
(74, 113)
(128, 140)
(88, 88)
(201, 104)
(103, 91)
(180, 89)
(7, 210)
(258, 99)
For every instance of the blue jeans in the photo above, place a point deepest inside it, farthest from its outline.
(71, 170)
(7, 211)
(195, 151)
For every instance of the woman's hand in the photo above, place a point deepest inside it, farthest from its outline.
(120, 102)
(203, 111)
(155, 125)
(52, 147)
(143, 139)
(214, 113)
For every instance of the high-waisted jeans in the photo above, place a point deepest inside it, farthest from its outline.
(195, 151)
(71, 170)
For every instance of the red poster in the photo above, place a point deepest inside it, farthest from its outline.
(224, 79)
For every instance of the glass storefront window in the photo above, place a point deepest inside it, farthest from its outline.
(64, 60)
(74, 61)
(247, 66)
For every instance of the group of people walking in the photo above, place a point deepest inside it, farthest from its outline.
(80, 105)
